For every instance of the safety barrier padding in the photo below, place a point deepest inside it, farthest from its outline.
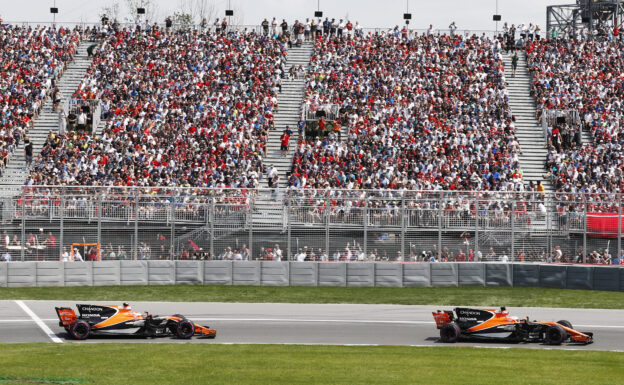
(303, 273)
(444, 274)
(332, 274)
(389, 274)
(22, 274)
(78, 274)
(607, 278)
(416, 274)
(189, 272)
(133, 272)
(580, 277)
(621, 278)
(246, 273)
(50, 274)
(553, 276)
(106, 273)
(525, 275)
(498, 274)
(161, 272)
(361, 274)
(471, 274)
(3, 274)
(218, 272)
(274, 274)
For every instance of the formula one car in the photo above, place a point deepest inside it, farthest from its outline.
(492, 325)
(120, 320)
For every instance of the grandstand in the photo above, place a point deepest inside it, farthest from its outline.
(400, 143)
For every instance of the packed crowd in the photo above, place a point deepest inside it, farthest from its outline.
(422, 112)
(31, 60)
(183, 108)
(585, 76)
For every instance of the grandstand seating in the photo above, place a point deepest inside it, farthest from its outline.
(31, 61)
(183, 108)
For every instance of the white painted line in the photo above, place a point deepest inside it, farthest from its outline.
(39, 322)
(312, 320)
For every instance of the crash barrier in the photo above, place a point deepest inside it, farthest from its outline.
(266, 273)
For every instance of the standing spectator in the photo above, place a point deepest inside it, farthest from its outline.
(265, 27)
(62, 122)
(514, 64)
(28, 152)
(285, 138)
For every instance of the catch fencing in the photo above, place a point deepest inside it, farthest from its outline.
(265, 273)
(42, 223)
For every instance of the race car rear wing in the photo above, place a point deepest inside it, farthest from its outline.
(66, 316)
(443, 317)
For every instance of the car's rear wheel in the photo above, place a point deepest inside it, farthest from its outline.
(79, 330)
(449, 333)
(565, 323)
(555, 335)
(185, 329)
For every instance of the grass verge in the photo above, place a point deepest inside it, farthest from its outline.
(469, 296)
(270, 364)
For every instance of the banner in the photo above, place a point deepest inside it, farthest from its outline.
(603, 225)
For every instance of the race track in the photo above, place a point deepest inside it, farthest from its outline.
(238, 323)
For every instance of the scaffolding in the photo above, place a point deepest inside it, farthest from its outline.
(597, 17)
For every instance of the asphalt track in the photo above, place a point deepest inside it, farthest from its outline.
(318, 324)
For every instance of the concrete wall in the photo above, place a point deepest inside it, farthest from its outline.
(22, 274)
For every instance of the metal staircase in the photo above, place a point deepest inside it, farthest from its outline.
(16, 172)
(268, 208)
(528, 130)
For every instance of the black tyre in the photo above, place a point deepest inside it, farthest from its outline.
(555, 335)
(185, 329)
(565, 323)
(79, 330)
(449, 333)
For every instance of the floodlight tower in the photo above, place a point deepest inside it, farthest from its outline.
(598, 16)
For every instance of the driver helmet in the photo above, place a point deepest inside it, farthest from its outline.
(126, 305)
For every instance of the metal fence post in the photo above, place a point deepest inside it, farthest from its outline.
(135, 242)
(440, 219)
(23, 243)
(289, 224)
(211, 218)
(99, 224)
(172, 215)
(365, 219)
(62, 227)
(619, 242)
(403, 228)
(585, 230)
(513, 230)
(250, 227)
(327, 227)
(476, 245)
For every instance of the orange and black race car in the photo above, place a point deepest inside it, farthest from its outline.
(493, 325)
(120, 320)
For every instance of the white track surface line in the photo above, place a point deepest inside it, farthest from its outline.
(39, 322)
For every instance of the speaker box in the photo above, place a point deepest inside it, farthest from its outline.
(318, 14)
(229, 12)
(53, 10)
(496, 18)
(407, 16)
(140, 11)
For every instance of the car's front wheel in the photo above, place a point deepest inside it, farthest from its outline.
(449, 333)
(79, 330)
(555, 335)
(565, 323)
(185, 329)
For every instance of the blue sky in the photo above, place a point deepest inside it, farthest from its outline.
(468, 14)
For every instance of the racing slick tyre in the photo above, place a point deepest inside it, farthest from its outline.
(555, 335)
(185, 329)
(565, 323)
(79, 330)
(449, 333)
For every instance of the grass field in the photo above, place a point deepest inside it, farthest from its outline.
(271, 364)
(474, 296)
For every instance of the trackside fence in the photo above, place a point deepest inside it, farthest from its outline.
(131, 224)
(270, 273)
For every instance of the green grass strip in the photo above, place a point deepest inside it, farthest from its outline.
(189, 364)
(469, 296)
